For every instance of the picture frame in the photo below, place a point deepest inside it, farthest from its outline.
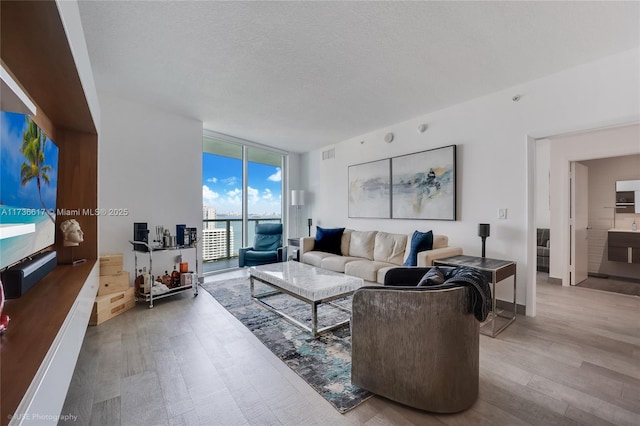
(369, 190)
(423, 185)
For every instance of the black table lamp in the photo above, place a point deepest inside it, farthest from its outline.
(310, 223)
(484, 230)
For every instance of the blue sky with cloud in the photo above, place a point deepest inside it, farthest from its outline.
(12, 193)
(222, 185)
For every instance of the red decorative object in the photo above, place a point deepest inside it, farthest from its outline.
(4, 319)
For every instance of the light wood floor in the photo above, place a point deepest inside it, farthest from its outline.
(188, 361)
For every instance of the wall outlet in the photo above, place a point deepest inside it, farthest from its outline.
(502, 213)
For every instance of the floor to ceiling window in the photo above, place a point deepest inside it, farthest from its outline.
(264, 188)
(241, 186)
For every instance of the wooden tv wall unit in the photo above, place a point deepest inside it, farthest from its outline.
(39, 352)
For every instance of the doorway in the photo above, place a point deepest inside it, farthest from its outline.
(595, 149)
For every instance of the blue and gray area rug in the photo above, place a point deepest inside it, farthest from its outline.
(324, 363)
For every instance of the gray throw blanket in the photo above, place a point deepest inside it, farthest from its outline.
(480, 294)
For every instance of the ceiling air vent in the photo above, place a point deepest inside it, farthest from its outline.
(328, 154)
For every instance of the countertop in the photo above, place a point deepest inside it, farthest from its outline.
(624, 230)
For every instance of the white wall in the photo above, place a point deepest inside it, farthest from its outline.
(150, 162)
(492, 135)
(543, 164)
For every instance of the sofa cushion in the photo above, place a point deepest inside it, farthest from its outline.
(420, 241)
(390, 247)
(314, 258)
(260, 257)
(362, 243)
(328, 240)
(440, 241)
(366, 269)
(543, 251)
(337, 263)
(346, 241)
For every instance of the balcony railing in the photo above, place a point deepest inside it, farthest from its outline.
(227, 258)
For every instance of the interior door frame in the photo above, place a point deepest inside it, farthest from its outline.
(572, 272)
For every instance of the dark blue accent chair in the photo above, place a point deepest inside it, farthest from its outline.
(267, 246)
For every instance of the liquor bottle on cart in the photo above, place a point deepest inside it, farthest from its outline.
(175, 277)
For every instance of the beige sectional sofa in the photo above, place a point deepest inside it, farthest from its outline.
(370, 254)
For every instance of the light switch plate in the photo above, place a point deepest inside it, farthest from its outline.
(502, 213)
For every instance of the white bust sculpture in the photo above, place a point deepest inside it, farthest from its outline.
(73, 235)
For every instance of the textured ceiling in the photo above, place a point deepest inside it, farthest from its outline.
(302, 75)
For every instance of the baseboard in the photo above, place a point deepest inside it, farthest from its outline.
(552, 280)
(614, 277)
(596, 275)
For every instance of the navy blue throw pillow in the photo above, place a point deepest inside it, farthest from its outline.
(433, 277)
(420, 241)
(328, 240)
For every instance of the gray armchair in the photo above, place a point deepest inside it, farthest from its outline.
(415, 345)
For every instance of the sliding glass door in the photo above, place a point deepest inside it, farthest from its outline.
(241, 186)
(264, 189)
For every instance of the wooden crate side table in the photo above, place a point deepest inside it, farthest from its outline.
(496, 271)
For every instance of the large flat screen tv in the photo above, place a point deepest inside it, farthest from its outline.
(28, 188)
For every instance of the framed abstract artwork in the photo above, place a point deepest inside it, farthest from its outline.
(369, 189)
(423, 185)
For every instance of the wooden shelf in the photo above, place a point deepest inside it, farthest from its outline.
(36, 51)
(36, 318)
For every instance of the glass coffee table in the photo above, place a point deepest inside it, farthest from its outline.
(307, 283)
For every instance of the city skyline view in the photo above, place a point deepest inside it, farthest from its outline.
(222, 187)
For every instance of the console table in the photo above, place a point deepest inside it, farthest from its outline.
(496, 271)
